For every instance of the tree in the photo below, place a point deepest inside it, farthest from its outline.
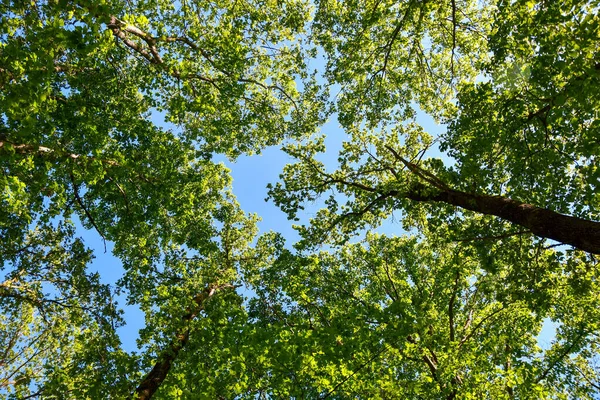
(418, 318)
(522, 132)
(452, 311)
(79, 83)
(510, 80)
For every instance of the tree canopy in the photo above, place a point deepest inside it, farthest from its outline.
(113, 115)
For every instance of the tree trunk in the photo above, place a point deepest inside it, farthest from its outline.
(157, 375)
(580, 233)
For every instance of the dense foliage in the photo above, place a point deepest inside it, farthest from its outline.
(111, 116)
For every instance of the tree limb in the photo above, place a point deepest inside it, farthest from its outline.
(152, 381)
(558, 359)
(453, 38)
(85, 210)
(451, 305)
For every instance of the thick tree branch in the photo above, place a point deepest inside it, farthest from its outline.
(121, 28)
(387, 272)
(428, 361)
(54, 154)
(418, 171)
(152, 381)
(116, 30)
(580, 233)
(451, 305)
(454, 24)
(28, 149)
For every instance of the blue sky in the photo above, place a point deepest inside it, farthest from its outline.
(251, 174)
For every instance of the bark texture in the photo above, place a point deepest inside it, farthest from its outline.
(577, 232)
(159, 372)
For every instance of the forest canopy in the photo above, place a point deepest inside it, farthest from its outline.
(114, 116)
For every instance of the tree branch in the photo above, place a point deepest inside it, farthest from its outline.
(451, 305)
(558, 359)
(476, 327)
(453, 38)
(357, 370)
(86, 211)
(428, 361)
(152, 381)
(119, 28)
(420, 172)
(506, 235)
(28, 149)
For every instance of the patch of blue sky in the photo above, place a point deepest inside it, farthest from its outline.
(110, 269)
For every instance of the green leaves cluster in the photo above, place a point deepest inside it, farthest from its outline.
(111, 114)
(411, 318)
